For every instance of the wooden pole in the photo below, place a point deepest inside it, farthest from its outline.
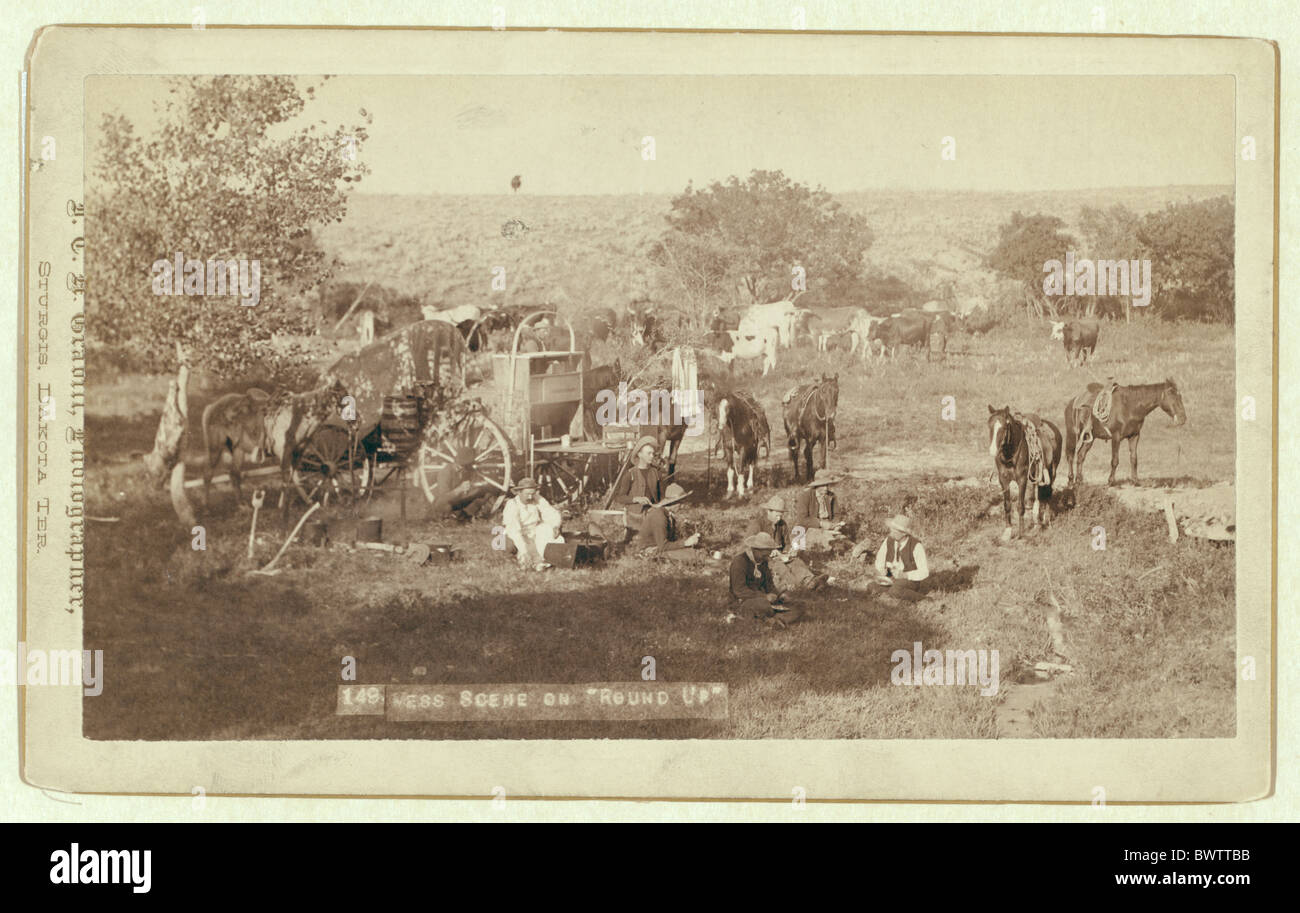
(353, 306)
(1171, 520)
(165, 460)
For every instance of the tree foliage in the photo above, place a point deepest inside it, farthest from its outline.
(224, 176)
(1025, 243)
(1190, 246)
(752, 234)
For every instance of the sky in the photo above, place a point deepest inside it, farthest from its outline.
(584, 135)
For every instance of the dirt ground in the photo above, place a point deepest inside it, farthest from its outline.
(203, 650)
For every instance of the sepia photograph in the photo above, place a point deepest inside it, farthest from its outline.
(577, 411)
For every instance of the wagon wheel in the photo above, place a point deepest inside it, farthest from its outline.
(473, 454)
(323, 472)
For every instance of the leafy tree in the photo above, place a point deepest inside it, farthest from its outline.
(221, 178)
(1025, 244)
(1190, 246)
(752, 233)
(1110, 234)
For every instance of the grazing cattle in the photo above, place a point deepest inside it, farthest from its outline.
(454, 316)
(1079, 336)
(233, 424)
(742, 426)
(836, 341)
(645, 329)
(1026, 450)
(910, 328)
(598, 325)
(779, 315)
(809, 416)
(1129, 407)
(862, 328)
(759, 344)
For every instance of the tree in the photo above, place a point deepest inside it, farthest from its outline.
(1110, 234)
(1025, 244)
(753, 233)
(221, 178)
(1190, 246)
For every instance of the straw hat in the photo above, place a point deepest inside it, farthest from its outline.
(777, 503)
(673, 494)
(823, 477)
(902, 523)
(761, 540)
(524, 484)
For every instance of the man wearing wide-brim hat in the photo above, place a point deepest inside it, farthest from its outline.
(788, 570)
(901, 564)
(640, 486)
(531, 524)
(660, 532)
(814, 512)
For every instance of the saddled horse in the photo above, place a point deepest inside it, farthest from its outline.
(742, 426)
(809, 416)
(1018, 459)
(1129, 407)
(233, 424)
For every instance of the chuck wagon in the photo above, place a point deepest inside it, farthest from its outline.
(464, 431)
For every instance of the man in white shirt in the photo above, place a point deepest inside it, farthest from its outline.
(531, 524)
(901, 564)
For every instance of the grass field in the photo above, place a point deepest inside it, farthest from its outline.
(196, 649)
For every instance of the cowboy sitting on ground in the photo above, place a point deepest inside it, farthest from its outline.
(751, 589)
(531, 524)
(660, 528)
(788, 572)
(814, 510)
(901, 564)
(640, 487)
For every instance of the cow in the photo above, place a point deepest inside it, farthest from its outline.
(644, 326)
(862, 327)
(754, 344)
(1079, 336)
(742, 427)
(909, 328)
(598, 325)
(779, 315)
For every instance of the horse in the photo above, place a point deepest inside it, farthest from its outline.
(1016, 461)
(1129, 407)
(233, 424)
(290, 419)
(742, 426)
(809, 417)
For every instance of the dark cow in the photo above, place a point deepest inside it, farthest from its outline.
(742, 426)
(1080, 337)
(644, 327)
(1129, 407)
(474, 335)
(1012, 458)
(910, 328)
(598, 325)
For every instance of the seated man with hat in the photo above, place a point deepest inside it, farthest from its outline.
(814, 510)
(788, 572)
(640, 485)
(751, 589)
(660, 528)
(531, 524)
(901, 564)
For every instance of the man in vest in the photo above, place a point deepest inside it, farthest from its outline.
(531, 524)
(901, 564)
(788, 570)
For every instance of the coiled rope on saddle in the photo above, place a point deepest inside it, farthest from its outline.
(1038, 473)
(759, 419)
(1100, 409)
